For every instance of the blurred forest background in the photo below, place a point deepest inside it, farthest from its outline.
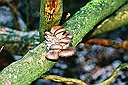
(93, 63)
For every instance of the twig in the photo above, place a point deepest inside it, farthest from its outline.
(1, 48)
(68, 81)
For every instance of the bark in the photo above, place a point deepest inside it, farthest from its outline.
(34, 63)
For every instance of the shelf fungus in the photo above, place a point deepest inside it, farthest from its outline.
(58, 42)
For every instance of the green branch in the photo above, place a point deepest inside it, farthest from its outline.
(69, 81)
(84, 20)
(34, 63)
(18, 42)
(120, 18)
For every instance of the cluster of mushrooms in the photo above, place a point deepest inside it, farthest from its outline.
(58, 42)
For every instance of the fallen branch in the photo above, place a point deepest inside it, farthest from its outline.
(79, 82)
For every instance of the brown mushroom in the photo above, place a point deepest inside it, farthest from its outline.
(48, 33)
(65, 40)
(58, 41)
(59, 33)
(66, 46)
(54, 28)
(67, 52)
(55, 47)
(52, 55)
(62, 30)
(68, 35)
(48, 43)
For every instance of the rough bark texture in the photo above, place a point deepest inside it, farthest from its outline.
(34, 63)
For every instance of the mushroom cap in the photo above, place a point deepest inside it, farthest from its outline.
(68, 35)
(65, 40)
(48, 43)
(66, 46)
(62, 30)
(54, 28)
(55, 47)
(59, 33)
(48, 33)
(52, 55)
(67, 52)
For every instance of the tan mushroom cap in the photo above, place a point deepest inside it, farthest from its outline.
(65, 40)
(52, 55)
(67, 52)
(54, 28)
(68, 35)
(55, 47)
(66, 46)
(48, 33)
(62, 30)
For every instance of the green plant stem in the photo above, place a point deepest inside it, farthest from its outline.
(68, 81)
(120, 18)
(34, 63)
(80, 25)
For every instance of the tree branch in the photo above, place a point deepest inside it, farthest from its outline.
(79, 82)
(120, 18)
